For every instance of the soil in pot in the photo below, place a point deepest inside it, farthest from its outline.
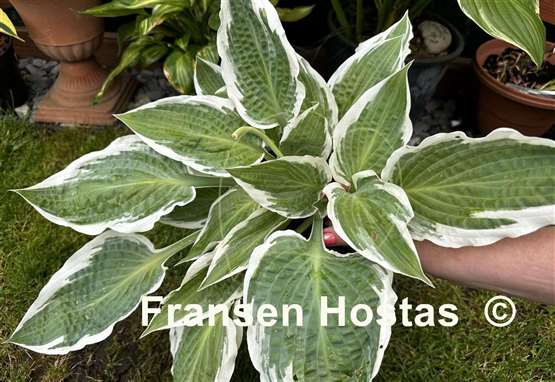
(507, 87)
(514, 67)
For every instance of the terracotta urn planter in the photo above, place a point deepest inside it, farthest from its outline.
(58, 30)
(547, 11)
(500, 105)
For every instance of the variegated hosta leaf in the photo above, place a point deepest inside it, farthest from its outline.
(515, 21)
(289, 186)
(374, 60)
(208, 78)
(205, 353)
(100, 285)
(310, 132)
(194, 214)
(376, 125)
(260, 67)
(306, 271)
(195, 130)
(229, 210)
(188, 293)
(467, 191)
(232, 254)
(373, 220)
(126, 187)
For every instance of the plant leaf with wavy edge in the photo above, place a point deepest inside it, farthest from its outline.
(126, 187)
(98, 286)
(208, 78)
(178, 69)
(118, 8)
(516, 22)
(310, 132)
(194, 214)
(260, 66)
(190, 293)
(215, 350)
(232, 254)
(228, 210)
(475, 191)
(7, 27)
(289, 186)
(373, 128)
(374, 60)
(373, 220)
(306, 270)
(195, 130)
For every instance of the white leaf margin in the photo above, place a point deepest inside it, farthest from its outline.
(196, 267)
(264, 198)
(217, 70)
(255, 333)
(367, 46)
(192, 224)
(330, 99)
(372, 253)
(234, 337)
(221, 249)
(71, 172)
(205, 227)
(77, 262)
(234, 93)
(527, 220)
(353, 114)
(218, 103)
(326, 149)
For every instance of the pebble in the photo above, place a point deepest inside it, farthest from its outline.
(40, 75)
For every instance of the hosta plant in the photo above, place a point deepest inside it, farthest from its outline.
(252, 164)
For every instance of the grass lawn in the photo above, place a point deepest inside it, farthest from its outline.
(32, 249)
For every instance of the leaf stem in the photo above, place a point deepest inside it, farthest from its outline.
(303, 226)
(341, 18)
(359, 20)
(180, 245)
(242, 131)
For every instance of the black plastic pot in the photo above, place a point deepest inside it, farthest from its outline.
(13, 92)
(425, 73)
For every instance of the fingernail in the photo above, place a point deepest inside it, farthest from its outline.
(330, 238)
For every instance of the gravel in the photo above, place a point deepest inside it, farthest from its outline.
(39, 75)
(437, 116)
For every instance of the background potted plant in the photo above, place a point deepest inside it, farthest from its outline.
(437, 42)
(176, 33)
(515, 84)
(12, 89)
(59, 31)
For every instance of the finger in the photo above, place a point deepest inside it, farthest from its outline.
(331, 238)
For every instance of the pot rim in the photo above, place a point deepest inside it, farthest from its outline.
(457, 38)
(490, 47)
